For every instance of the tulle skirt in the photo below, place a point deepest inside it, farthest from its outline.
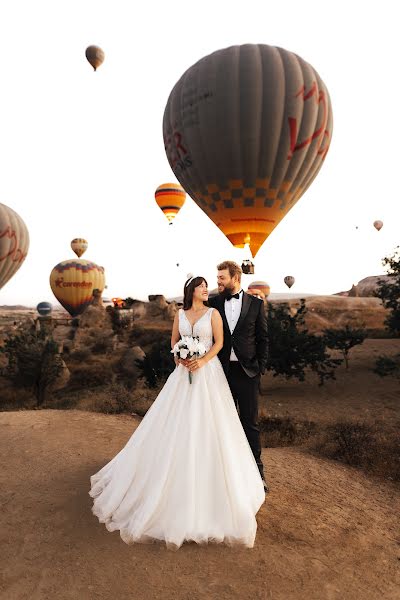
(187, 473)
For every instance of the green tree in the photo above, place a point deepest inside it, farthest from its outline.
(292, 349)
(344, 340)
(389, 291)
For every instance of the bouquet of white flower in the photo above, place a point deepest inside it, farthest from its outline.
(187, 347)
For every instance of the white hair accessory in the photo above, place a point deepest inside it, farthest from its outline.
(191, 276)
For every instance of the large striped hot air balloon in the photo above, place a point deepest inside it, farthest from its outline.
(73, 282)
(170, 197)
(263, 286)
(246, 130)
(14, 243)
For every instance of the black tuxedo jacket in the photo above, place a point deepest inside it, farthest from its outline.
(249, 338)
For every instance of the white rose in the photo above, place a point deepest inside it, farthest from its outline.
(183, 353)
(201, 349)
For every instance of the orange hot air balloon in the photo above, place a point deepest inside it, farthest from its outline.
(79, 246)
(378, 225)
(73, 282)
(262, 286)
(289, 280)
(246, 131)
(170, 197)
(95, 56)
(14, 243)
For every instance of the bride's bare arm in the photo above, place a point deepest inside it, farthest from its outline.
(218, 335)
(175, 335)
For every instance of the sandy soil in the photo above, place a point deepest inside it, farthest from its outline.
(326, 531)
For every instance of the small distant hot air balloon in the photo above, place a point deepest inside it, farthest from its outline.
(260, 285)
(289, 280)
(14, 243)
(44, 309)
(95, 56)
(378, 225)
(79, 246)
(73, 282)
(246, 131)
(170, 197)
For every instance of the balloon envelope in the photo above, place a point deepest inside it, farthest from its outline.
(246, 130)
(263, 286)
(170, 197)
(95, 56)
(73, 282)
(44, 308)
(289, 280)
(378, 225)
(14, 243)
(79, 246)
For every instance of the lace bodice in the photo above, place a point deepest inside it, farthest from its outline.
(202, 328)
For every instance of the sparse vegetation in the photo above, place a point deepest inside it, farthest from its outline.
(389, 292)
(33, 362)
(292, 349)
(344, 340)
(388, 366)
(157, 365)
(369, 447)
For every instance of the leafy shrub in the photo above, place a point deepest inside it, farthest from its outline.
(91, 375)
(389, 292)
(292, 349)
(388, 366)
(344, 340)
(157, 365)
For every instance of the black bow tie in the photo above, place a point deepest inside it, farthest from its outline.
(230, 296)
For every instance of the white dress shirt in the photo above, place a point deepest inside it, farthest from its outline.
(232, 313)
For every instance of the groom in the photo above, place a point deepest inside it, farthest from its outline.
(245, 350)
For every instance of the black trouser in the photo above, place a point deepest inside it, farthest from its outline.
(245, 394)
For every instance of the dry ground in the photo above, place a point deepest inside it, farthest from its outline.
(357, 394)
(326, 530)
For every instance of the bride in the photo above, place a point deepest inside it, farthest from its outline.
(187, 473)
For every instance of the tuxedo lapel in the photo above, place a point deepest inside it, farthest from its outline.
(246, 301)
(221, 308)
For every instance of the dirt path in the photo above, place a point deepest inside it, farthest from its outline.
(325, 532)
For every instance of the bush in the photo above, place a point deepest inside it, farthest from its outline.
(361, 445)
(157, 365)
(284, 431)
(103, 345)
(292, 349)
(91, 375)
(389, 292)
(344, 340)
(80, 355)
(388, 366)
(33, 362)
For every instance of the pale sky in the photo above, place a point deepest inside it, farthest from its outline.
(81, 153)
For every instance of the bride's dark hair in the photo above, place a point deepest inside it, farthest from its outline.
(188, 291)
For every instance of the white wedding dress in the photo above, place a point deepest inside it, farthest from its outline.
(187, 473)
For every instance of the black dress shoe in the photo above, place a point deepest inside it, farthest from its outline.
(266, 488)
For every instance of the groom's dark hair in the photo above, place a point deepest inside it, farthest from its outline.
(189, 289)
(232, 267)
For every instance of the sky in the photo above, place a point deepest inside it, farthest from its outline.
(82, 153)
